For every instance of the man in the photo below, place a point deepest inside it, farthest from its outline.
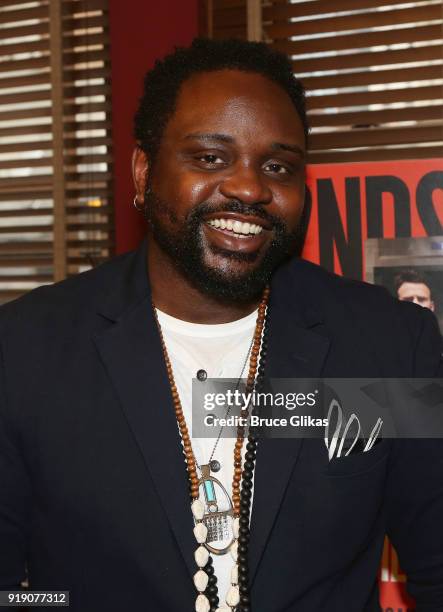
(96, 374)
(410, 286)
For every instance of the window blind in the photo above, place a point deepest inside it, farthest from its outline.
(226, 19)
(55, 141)
(373, 70)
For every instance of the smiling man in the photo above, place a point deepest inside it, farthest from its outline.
(104, 491)
(235, 145)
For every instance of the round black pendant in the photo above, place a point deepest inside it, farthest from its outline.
(214, 465)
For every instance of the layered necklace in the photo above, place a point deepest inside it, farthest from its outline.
(207, 525)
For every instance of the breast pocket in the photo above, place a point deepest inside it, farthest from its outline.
(356, 464)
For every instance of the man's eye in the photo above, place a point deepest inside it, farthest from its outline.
(276, 168)
(210, 159)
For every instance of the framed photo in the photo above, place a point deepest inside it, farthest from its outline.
(410, 268)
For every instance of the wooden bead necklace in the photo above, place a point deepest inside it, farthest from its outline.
(205, 580)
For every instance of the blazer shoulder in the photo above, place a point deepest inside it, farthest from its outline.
(369, 306)
(334, 287)
(62, 299)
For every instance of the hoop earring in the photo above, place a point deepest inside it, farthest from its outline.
(136, 204)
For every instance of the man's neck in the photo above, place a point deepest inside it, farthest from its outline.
(173, 294)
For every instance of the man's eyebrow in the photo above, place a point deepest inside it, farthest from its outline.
(277, 146)
(282, 146)
(211, 136)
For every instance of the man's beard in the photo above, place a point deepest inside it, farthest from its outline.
(186, 250)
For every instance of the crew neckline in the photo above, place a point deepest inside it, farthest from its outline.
(186, 328)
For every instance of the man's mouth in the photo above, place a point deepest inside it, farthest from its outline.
(241, 233)
(236, 227)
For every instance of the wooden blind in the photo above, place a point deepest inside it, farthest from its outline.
(226, 19)
(372, 70)
(55, 144)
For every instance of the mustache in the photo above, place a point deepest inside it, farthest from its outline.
(236, 206)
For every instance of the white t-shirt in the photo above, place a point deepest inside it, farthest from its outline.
(221, 350)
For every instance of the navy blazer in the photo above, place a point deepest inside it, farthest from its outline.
(93, 485)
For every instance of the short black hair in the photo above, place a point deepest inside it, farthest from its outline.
(162, 83)
(409, 275)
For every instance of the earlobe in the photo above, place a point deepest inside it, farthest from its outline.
(140, 169)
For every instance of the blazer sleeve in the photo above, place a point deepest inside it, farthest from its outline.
(15, 498)
(415, 490)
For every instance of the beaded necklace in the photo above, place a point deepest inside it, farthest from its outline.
(205, 580)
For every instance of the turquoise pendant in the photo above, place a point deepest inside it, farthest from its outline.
(219, 513)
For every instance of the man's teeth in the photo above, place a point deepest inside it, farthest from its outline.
(237, 227)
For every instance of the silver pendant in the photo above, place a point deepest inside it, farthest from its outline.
(219, 513)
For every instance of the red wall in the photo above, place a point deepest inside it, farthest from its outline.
(140, 31)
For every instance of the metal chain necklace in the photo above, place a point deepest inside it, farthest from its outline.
(214, 465)
(205, 580)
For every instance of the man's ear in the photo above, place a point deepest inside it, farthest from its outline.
(140, 170)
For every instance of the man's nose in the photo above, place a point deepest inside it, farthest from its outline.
(246, 184)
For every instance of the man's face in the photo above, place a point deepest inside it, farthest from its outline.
(225, 194)
(419, 293)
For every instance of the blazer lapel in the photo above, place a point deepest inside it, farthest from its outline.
(131, 352)
(297, 347)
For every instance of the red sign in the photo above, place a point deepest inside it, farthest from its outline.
(351, 202)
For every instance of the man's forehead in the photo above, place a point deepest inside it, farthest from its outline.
(227, 85)
(212, 102)
(414, 289)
